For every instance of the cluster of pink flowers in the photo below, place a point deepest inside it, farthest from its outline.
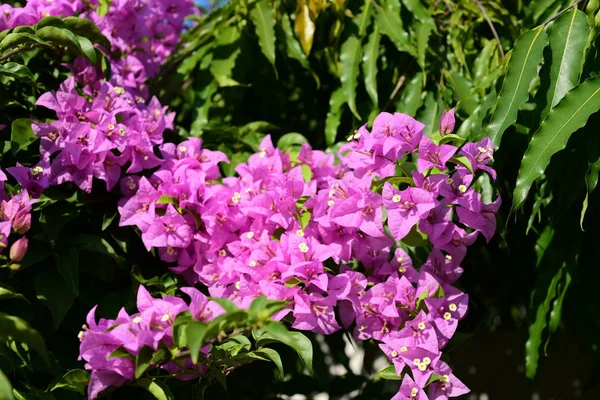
(104, 126)
(150, 327)
(270, 230)
(15, 217)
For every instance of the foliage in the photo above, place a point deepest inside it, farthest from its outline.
(523, 73)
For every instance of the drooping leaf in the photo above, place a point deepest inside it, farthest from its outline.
(290, 140)
(21, 135)
(293, 46)
(272, 355)
(570, 114)
(20, 331)
(75, 380)
(87, 48)
(334, 115)
(350, 56)
(557, 304)
(568, 38)
(423, 32)
(522, 68)
(226, 51)
(17, 71)
(305, 26)
(275, 332)
(390, 23)
(158, 389)
(67, 263)
(55, 293)
(6, 391)
(195, 333)
(264, 22)
(369, 64)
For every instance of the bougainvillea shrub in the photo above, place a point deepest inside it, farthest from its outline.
(367, 237)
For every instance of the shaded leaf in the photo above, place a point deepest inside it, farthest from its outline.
(334, 115)
(20, 331)
(55, 293)
(67, 263)
(17, 71)
(264, 22)
(571, 113)
(21, 135)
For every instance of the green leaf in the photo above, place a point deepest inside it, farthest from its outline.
(195, 333)
(293, 46)
(334, 115)
(369, 60)
(536, 329)
(6, 391)
(272, 355)
(276, 332)
(423, 31)
(557, 304)
(145, 358)
(103, 6)
(61, 37)
(15, 328)
(463, 91)
(350, 56)
(522, 68)
(390, 23)
(17, 71)
(120, 353)
(67, 263)
(570, 114)
(6, 292)
(226, 51)
(568, 38)
(21, 135)
(158, 389)
(87, 48)
(417, 8)
(55, 293)
(290, 140)
(12, 40)
(410, 99)
(389, 373)
(75, 380)
(264, 22)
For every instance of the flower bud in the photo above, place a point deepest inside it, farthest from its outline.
(447, 122)
(19, 249)
(22, 222)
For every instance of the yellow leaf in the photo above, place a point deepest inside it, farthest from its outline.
(305, 25)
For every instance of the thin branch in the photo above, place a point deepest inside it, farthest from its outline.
(491, 25)
(399, 85)
(19, 51)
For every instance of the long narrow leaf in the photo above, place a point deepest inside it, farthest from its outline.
(371, 54)
(264, 22)
(522, 68)
(568, 38)
(350, 56)
(569, 115)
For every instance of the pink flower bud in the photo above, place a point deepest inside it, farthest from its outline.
(22, 223)
(447, 122)
(19, 249)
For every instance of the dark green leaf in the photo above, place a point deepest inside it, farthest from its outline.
(334, 115)
(55, 293)
(522, 68)
(67, 262)
(195, 333)
(264, 22)
(272, 355)
(390, 23)
(276, 332)
(570, 114)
